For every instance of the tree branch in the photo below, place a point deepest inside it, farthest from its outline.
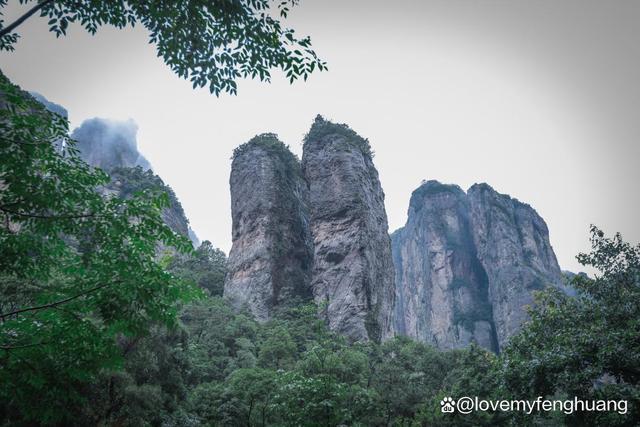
(40, 216)
(27, 15)
(54, 304)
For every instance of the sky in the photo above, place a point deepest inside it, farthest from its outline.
(538, 98)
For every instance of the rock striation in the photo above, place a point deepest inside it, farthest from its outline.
(462, 270)
(442, 289)
(467, 265)
(312, 230)
(271, 257)
(352, 278)
(512, 243)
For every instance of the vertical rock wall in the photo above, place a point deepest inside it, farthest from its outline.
(463, 269)
(467, 265)
(271, 257)
(442, 288)
(512, 243)
(352, 277)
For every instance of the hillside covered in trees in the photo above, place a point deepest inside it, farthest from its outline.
(112, 313)
(99, 328)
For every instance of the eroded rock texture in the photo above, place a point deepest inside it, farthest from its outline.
(442, 288)
(467, 264)
(271, 257)
(352, 277)
(512, 243)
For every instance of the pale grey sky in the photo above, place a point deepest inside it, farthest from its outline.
(538, 98)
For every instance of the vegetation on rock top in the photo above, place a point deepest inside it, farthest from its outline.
(322, 128)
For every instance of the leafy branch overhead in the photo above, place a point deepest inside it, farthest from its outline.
(212, 43)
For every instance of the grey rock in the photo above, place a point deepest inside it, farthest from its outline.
(270, 260)
(441, 288)
(127, 181)
(109, 144)
(112, 146)
(195, 240)
(51, 106)
(467, 266)
(352, 277)
(512, 243)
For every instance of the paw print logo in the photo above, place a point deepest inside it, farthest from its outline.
(447, 405)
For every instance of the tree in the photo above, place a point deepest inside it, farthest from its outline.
(210, 42)
(206, 266)
(473, 372)
(277, 349)
(78, 269)
(405, 374)
(310, 401)
(587, 346)
(253, 390)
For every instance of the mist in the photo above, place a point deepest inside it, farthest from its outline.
(108, 144)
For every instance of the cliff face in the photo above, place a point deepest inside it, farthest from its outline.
(316, 230)
(512, 242)
(270, 260)
(109, 144)
(442, 288)
(352, 278)
(112, 146)
(127, 181)
(462, 269)
(467, 264)
(51, 106)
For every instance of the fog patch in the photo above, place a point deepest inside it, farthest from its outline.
(109, 144)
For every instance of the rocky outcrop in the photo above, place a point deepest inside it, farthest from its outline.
(125, 182)
(271, 257)
(112, 146)
(467, 265)
(109, 144)
(352, 277)
(442, 290)
(51, 106)
(512, 243)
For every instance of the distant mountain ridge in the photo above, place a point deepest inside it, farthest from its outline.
(111, 145)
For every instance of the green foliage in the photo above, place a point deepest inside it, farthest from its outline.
(130, 181)
(406, 374)
(431, 188)
(585, 346)
(211, 43)
(206, 266)
(322, 128)
(78, 269)
(220, 367)
(127, 182)
(271, 143)
(474, 372)
(95, 329)
(277, 349)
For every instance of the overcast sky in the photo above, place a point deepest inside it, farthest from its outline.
(538, 98)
